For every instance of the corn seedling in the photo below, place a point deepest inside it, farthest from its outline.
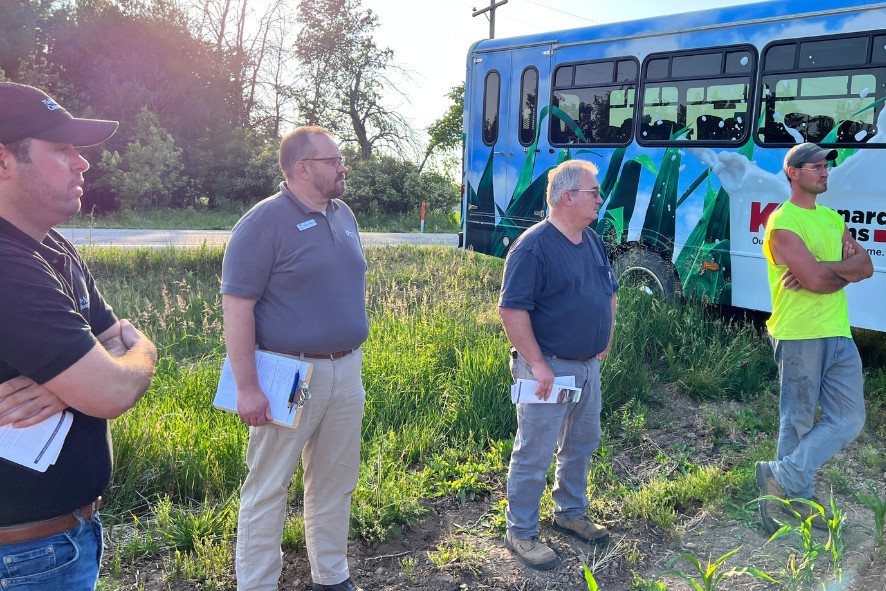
(878, 506)
(589, 577)
(836, 544)
(803, 531)
(707, 575)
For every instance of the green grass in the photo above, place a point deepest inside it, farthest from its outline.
(438, 418)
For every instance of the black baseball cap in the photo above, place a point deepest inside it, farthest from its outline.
(807, 152)
(26, 112)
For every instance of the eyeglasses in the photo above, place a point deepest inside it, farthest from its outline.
(822, 168)
(595, 192)
(336, 161)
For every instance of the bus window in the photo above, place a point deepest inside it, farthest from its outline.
(831, 96)
(490, 108)
(705, 98)
(528, 105)
(597, 103)
(563, 77)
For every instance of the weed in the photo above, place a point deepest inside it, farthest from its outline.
(707, 575)
(836, 473)
(641, 584)
(632, 417)
(878, 507)
(873, 459)
(458, 554)
(294, 532)
(661, 498)
(407, 565)
(207, 564)
(494, 519)
(144, 541)
(115, 568)
(184, 529)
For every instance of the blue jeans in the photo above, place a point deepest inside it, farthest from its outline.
(68, 561)
(571, 430)
(815, 372)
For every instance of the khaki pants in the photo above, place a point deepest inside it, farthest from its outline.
(328, 440)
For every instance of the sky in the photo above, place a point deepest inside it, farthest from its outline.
(430, 38)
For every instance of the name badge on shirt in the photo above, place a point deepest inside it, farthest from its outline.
(305, 225)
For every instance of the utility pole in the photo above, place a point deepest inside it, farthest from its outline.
(491, 10)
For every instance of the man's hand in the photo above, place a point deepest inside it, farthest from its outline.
(544, 375)
(32, 403)
(848, 250)
(130, 335)
(790, 281)
(253, 407)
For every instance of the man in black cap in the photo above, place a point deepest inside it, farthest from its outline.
(61, 348)
(812, 256)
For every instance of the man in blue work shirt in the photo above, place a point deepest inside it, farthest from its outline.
(557, 304)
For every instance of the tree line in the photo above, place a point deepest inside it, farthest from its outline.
(204, 89)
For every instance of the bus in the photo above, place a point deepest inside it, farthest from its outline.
(688, 118)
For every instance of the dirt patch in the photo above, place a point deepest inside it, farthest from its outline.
(404, 564)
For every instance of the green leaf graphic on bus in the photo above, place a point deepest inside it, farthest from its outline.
(704, 264)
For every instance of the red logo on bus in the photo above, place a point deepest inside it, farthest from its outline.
(760, 214)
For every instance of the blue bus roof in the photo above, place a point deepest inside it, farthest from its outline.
(746, 13)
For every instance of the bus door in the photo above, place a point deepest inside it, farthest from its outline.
(487, 150)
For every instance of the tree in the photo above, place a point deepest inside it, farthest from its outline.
(149, 171)
(343, 76)
(446, 133)
(387, 185)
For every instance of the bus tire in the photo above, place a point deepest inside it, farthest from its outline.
(646, 270)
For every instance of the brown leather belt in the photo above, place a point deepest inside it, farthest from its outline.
(330, 356)
(35, 530)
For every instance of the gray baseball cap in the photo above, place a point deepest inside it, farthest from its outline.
(807, 152)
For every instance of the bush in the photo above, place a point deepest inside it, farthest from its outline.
(386, 185)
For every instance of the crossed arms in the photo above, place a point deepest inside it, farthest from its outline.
(805, 271)
(104, 383)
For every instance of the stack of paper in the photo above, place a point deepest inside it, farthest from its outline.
(36, 447)
(564, 392)
(278, 376)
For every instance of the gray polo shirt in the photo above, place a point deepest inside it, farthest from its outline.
(305, 269)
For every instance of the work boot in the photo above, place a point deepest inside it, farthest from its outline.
(533, 552)
(768, 507)
(346, 585)
(805, 510)
(584, 529)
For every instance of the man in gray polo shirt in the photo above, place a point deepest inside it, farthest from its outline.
(293, 281)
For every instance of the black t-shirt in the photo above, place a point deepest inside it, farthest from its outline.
(49, 320)
(566, 288)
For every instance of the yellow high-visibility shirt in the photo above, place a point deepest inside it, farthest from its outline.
(804, 314)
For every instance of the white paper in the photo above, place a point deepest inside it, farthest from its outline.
(523, 392)
(36, 447)
(276, 377)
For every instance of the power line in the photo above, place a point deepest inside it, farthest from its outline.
(563, 12)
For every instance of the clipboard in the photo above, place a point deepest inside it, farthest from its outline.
(279, 376)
